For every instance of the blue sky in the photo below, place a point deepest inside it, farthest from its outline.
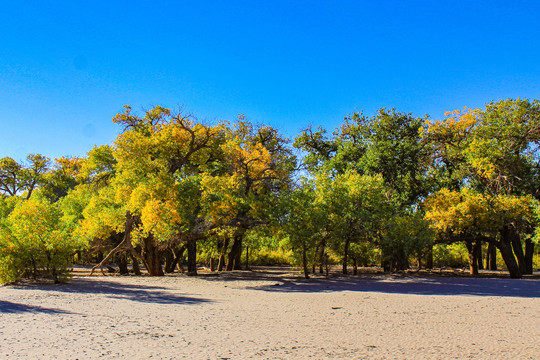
(67, 67)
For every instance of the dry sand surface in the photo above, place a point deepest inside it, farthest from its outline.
(246, 315)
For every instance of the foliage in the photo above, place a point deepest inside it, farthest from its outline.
(35, 242)
(468, 211)
(379, 188)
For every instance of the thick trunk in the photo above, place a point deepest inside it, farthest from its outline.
(478, 255)
(212, 264)
(178, 256)
(122, 262)
(221, 262)
(169, 261)
(473, 264)
(238, 258)
(222, 247)
(386, 264)
(529, 252)
(518, 250)
(235, 254)
(355, 266)
(429, 258)
(135, 264)
(151, 257)
(491, 257)
(507, 254)
(345, 256)
(400, 261)
(192, 257)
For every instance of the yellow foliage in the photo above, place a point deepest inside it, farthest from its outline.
(456, 125)
(468, 210)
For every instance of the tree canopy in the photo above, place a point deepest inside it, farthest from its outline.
(384, 190)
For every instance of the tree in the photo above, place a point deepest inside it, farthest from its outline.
(257, 167)
(158, 157)
(389, 145)
(304, 224)
(357, 207)
(496, 151)
(16, 178)
(472, 217)
(35, 242)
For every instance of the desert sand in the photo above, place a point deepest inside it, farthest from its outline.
(247, 315)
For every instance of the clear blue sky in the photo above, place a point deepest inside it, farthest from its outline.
(67, 67)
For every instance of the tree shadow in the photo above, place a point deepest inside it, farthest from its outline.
(410, 285)
(8, 307)
(115, 290)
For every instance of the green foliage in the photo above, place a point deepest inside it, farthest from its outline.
(304, 224)
(381, 188)
(35, 242)
(267, 257)
(16, 178)
(450, 255)
(365, 253)
(406, 235)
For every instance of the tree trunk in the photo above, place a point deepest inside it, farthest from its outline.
(221, 262)
(233, 262)
(247, 257)
(355, 267)
(151, 257)
(304, 261)
(345, 255)
(315, 257)
(135, 264)
(326, 264)
(178, 256)
(473, 263)
(169, 261)
(322, 254)
(192, 257)
(518, 250)
(122, 262)
(478, 255)
(212, 264)
(505, 248)
(491, 257)
(429, 258)
(124, 244)
(386, 263)
(399, 261)
(222, 248)
(529, 253)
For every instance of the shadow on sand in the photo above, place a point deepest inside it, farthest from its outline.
(116, 290)
(8, 307)
(409, 285)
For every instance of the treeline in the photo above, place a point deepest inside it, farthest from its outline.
(378, 190)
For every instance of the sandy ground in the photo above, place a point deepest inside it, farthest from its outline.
(272, 316)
